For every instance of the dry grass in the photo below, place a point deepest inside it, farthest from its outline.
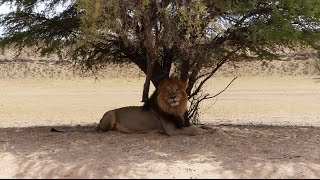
(30, 65)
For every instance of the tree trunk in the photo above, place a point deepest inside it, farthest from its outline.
(146, 86)
(184, 70)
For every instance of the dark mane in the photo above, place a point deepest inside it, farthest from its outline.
(152, 103)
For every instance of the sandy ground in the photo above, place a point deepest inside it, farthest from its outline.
(265, 127)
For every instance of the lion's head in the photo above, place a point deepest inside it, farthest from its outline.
(172, 96)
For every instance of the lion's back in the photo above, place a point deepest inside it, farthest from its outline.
(135, 118)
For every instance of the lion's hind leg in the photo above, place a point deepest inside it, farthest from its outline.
(108, 121)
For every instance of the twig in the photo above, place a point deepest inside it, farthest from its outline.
(193, 111)
(223, 89)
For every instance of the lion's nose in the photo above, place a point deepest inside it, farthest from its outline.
(173, 97)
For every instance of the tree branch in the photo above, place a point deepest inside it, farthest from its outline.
(219, 64)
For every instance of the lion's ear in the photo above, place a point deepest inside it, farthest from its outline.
(162, 83)
(183, 85)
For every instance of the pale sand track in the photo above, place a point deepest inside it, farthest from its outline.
(256, 100)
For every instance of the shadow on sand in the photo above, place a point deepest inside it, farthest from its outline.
(230, 152)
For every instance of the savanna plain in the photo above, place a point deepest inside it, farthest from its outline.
(266, 124)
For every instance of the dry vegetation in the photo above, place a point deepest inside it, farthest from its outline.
(30, 65)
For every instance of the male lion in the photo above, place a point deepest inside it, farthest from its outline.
(134, 119)
(167, 106)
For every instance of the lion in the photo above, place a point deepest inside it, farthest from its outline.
(133, 119)
(166, 109)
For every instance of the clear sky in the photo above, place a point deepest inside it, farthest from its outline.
(6, 8)
(3, 10)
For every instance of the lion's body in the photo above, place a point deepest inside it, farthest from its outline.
(163, 112)
(130, 119)
(133, 119)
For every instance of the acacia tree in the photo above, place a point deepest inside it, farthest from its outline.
(194, 38)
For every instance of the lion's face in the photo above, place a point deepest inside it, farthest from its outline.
(172, 96)
(172, 93)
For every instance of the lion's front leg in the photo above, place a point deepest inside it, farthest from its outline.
(193, 130)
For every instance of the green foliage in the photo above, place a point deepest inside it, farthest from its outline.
(259, 26)
(197, 31)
